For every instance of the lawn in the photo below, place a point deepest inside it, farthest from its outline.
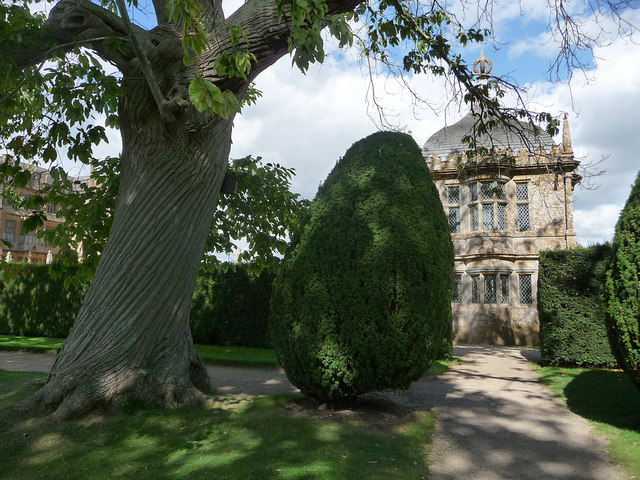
(209, 353)
(261, 357)
(232, 437)
(607, 398)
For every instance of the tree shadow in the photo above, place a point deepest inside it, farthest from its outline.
(232, 437)
(616, 403)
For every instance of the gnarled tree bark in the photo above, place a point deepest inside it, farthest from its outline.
(131, 338)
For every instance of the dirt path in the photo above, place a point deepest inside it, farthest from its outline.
(495, 419)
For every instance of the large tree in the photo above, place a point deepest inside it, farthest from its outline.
(177, 90)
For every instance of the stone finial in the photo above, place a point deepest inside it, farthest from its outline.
(9, 257)
(29, 258)
(482, 67)
(49, 257)
(566, 135)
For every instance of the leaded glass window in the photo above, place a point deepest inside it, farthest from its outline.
(522, 192)
(502, 216)
(504, 288)
(10, 231)
(490, 288)
(526, 288)
(475, 288)
(487, 216)
(456, 292)
(523, 217)
(486, 190)
(453, 195)
(454, 219)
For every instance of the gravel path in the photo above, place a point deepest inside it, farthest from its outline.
(495, 419)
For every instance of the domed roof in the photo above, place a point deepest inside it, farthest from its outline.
(449, 139)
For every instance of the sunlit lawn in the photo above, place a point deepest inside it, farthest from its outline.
(230, 438)
(209, 353)
(610, 400)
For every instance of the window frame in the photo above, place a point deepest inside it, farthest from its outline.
(488, 206)
(454, 211)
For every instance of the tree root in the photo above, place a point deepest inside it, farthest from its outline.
(65, 397)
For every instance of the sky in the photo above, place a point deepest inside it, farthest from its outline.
(308, 121)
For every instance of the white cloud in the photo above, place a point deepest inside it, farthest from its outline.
(309, 121)
(596, 225)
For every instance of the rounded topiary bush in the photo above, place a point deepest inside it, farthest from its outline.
(622, 288)
(363, 298)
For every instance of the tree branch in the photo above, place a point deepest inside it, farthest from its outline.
(266, 34)
(80, 20)
(145, 65)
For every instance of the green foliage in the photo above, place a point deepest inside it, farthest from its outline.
(363, 299)
(572, 324)
(32, 303)
(622, 288)
(263, 212)
(231, 307)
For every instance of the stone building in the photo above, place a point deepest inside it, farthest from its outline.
(16, 244)
(502, 211)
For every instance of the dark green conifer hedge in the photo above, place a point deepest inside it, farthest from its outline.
(231, 307)
(363, 299)
(622, 288)
(572, 323)
(32, 303)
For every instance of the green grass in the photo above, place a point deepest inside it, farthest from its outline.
(610, 400)
(238, 355)
(261, 357)
(233, 437)
(438, 367)
(30, 344)
(209, 353)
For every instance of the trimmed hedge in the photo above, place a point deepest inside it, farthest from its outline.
(622, 288)
(34, 304)
(229, 308)
(232, 308)
(363, 298)
(572, 318)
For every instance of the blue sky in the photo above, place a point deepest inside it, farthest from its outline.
(308, 121)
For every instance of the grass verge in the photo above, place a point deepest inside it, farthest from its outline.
(209, 353)
(232, 437)
(610, 400)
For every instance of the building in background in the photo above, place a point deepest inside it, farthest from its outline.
(18, 245)
(503, 209)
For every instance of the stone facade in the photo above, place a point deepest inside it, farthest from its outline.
(16, 244)
(503, 209)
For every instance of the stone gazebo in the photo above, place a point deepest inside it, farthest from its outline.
(503, 208)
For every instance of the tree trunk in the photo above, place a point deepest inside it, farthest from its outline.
(131, 339)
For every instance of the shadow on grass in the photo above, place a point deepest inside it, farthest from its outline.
(605, 396)
(233, 437)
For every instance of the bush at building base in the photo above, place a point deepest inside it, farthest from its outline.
(363, 298)
(572, 324)
(622, 288)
